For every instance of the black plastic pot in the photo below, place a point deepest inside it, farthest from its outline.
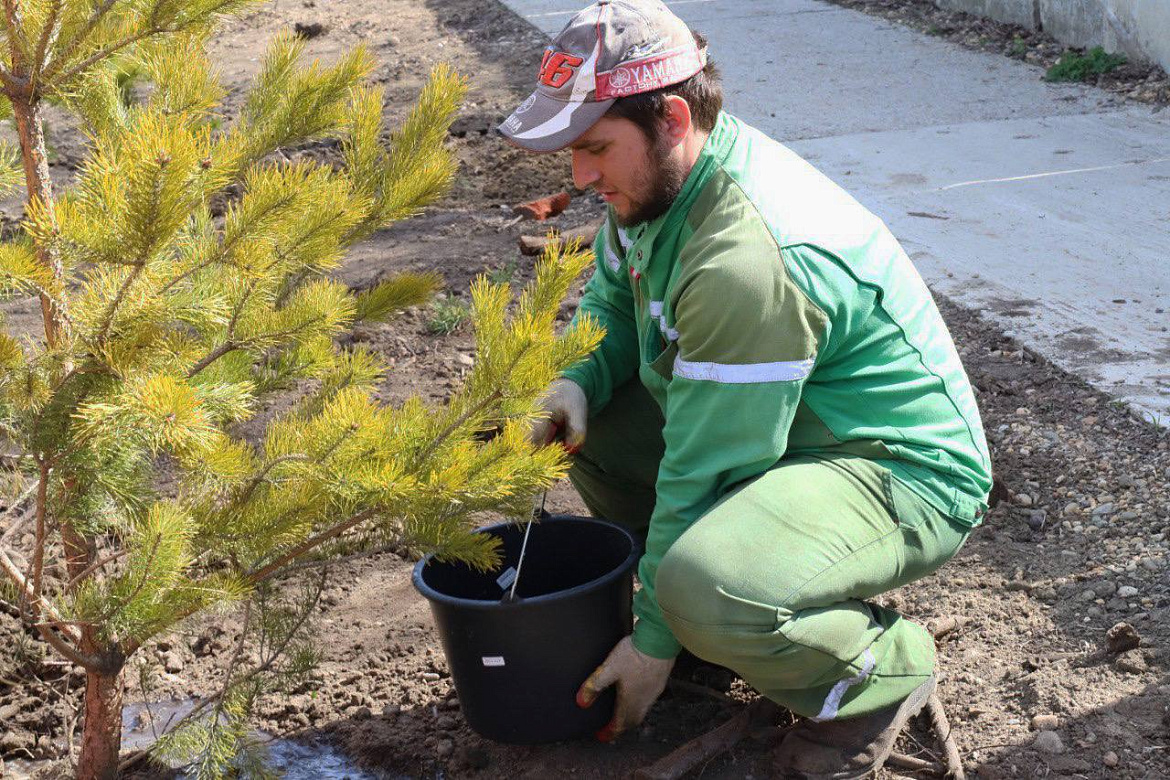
(517, 665)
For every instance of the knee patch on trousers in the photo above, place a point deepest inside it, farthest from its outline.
(707, 619)
(699, 588)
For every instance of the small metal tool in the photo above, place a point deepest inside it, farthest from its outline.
(510, 596)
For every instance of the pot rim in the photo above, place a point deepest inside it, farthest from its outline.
(620, 570)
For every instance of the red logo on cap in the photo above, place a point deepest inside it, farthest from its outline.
(649, 73)
(557, 68)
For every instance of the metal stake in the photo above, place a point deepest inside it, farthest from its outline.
(524, 546)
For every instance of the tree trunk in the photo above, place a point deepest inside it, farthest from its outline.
(101, 739)
(40, 189)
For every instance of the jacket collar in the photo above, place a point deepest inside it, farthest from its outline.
(714, 152)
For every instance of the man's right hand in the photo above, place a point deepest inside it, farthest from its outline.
(566, 409)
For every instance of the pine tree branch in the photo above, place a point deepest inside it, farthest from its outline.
(193, 270)
(76, 445)
(153, 28)
(146, 565)
(110, 51)
(93, 21)
(48, 34)
(39, 545)
(211, 357)
(108, 318)
(256, 480)
(229, 343)
(37, 608)
(15, 32)
(226, 248)
(332, 448)
(95, 566)
(231, 670)
(14, 85)
(268, 571)
(317, 564)
(231, 346)
(455, 425)
(267, 665)
(292, 283)
(84, 660)
(494, 396)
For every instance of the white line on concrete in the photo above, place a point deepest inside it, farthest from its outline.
(1051, 173)
(578, 10)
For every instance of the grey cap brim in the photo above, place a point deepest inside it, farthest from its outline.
(545, 124)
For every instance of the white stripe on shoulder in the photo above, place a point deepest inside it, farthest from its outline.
(744, 373)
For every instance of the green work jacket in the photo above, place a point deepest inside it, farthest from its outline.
(770, 314)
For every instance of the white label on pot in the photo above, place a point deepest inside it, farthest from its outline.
(506, 579)
(493, 660)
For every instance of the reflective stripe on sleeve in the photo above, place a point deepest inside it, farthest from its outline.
(744, 373)
(656, 312)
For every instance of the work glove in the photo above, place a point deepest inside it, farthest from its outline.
(640, 681)
(566, 410)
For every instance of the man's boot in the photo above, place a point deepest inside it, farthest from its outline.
(849, 748)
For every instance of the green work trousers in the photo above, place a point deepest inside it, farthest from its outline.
(773, 581)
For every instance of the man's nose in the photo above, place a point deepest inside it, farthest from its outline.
(584, 172)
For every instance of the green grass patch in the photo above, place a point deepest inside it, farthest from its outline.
(505, 273)
(1075, 66)
(448, 316)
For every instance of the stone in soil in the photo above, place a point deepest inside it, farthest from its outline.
(1048, 742)
(1045, 722)
(1131, 662)
(1122, 637)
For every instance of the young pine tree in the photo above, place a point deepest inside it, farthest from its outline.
(184, 274)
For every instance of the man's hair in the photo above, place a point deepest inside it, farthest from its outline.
(702, 91)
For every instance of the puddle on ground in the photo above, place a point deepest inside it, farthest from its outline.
(294, 760)
(308, 762)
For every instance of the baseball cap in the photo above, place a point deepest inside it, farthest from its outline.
(611, 49)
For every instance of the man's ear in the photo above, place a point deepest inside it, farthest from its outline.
(676, 124)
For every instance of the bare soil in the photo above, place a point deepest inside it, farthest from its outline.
(1076, 543)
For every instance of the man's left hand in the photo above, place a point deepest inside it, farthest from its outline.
(640, 681)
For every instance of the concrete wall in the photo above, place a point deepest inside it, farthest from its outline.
(1139, 29)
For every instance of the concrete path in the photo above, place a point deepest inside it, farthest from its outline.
(1047, 207)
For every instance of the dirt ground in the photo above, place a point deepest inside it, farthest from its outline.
(1076, 543)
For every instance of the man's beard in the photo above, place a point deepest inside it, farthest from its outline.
(666, 178)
